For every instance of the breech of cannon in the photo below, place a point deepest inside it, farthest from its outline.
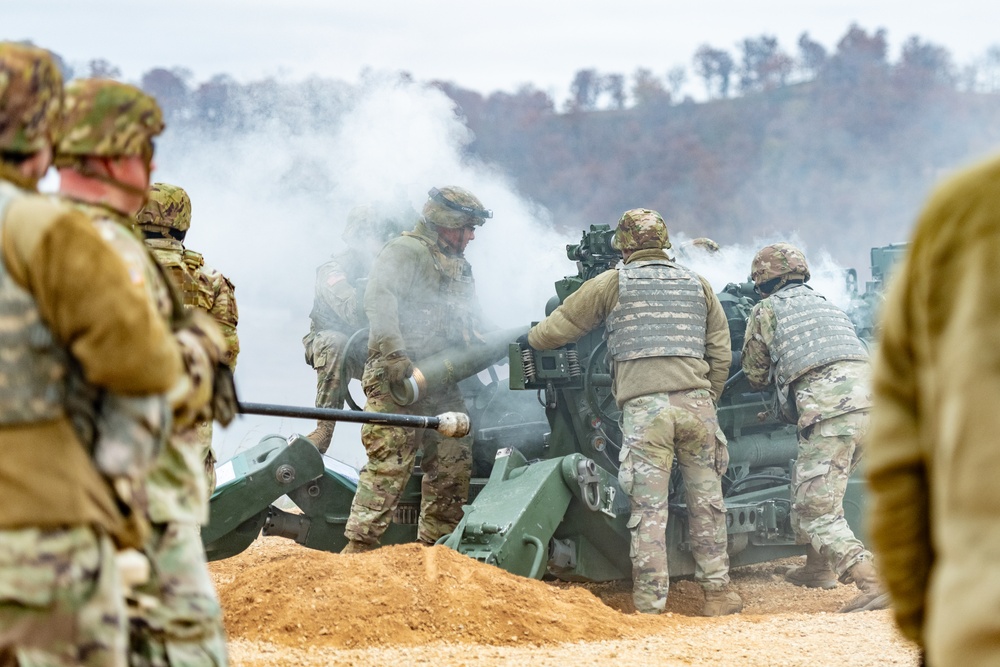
(451, 366)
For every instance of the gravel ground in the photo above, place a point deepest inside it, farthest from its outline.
(286, 605)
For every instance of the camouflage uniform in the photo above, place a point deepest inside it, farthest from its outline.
(338, 311)
(164, 221)
(175, 615)
(828, 402)
(60, 595)
(420, 300)
(666, 388)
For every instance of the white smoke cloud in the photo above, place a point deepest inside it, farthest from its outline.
(269, 206)
(732, 265)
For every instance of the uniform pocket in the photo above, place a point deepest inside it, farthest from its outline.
(633, 531)
(721, 453)
(626, 471)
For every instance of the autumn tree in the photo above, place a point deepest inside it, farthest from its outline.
(613, 85)
(812, 56)
(715, 67)
(99, 68)
(924, 65)
(764, 66)
(676, 78)
(584, 90)
(647, 89)
(859, 57)
(170, 89)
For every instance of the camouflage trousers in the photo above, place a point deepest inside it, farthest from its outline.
(61, 601)
(325, 352)
(655, 428)
(175, 617)
(828, 452)
(446, 464)
(204, 431)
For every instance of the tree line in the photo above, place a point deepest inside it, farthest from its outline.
(838, 145)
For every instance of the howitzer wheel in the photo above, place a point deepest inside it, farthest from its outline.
(354, 350)
(597, 387)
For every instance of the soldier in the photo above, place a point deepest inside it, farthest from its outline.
(105, 157)
(67, 299)
(932, 465)
(805, 346)
(420, 300)
(338, 311)
(164, 221)
(666, 382)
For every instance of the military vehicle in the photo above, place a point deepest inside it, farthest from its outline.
(545, 498)
(865, 305)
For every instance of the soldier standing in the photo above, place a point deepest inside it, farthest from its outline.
(67, 299)
(105, 157)
(669, 343)
(164, 221)
(338, 311)
(420, 300)
(807, 347)
(932, 464)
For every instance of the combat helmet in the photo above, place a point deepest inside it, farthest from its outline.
(31, 93)
(778, 262)
(106, 118)
(706, 244)
(641, 228)
(168, 208)
(454, 207)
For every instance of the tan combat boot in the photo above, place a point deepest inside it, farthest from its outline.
(321, 436)
(355, 547)
(722, 602)
(816, 573)
(872, 596)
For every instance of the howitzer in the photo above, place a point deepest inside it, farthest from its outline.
(322, 488)
(544, 495)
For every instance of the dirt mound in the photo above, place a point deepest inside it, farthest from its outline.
(404, 595)
(408, 605)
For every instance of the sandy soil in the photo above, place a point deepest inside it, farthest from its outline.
(412, 605)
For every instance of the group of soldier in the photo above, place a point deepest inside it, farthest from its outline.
(117, 356)
(669, 343)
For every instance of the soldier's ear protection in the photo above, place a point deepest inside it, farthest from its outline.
(440, 198)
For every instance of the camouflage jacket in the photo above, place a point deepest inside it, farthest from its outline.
(822, 393)
(201, 287)
(420, 298)
(932, 464)
(119, 342)
(337, 304)
(588, 308)
(178, 485)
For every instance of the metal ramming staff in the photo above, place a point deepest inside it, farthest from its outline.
(450, 424)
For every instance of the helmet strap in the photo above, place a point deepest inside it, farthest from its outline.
(84, 168)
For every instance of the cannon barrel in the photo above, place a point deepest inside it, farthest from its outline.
(450, 424)
(451, 366)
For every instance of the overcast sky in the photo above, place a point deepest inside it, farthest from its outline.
(485, 46)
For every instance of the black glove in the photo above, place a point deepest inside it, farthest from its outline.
(398, 367)
(522, 342)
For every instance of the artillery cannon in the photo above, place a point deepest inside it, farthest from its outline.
(544, 497)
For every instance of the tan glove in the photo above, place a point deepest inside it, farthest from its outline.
(397, 366)
(206, 380)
